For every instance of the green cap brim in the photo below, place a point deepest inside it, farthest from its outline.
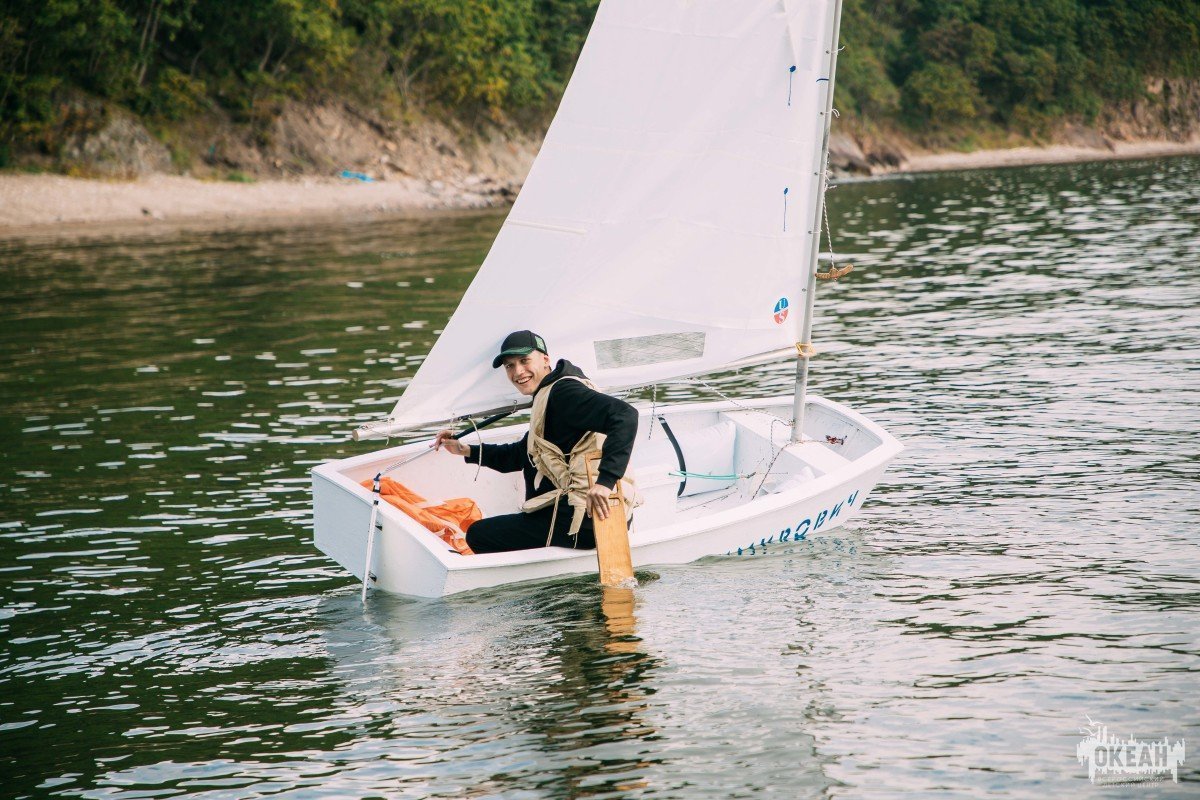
(516, 351)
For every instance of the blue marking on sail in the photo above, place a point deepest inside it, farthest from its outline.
(785, 194)
(791, 72)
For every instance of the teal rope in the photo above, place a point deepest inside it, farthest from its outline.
(709, 477)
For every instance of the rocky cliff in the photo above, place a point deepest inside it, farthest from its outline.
(486, 165)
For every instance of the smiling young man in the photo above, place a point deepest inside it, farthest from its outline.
(568, 418)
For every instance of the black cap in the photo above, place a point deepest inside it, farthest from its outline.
(519, 343)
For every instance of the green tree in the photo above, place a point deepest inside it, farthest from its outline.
(870, 34)
(47, 46)
(482, 55)
(991, 62)
(942, 93)
(559, 28)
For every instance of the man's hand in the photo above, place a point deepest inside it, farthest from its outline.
(446, 439)
(597, 500)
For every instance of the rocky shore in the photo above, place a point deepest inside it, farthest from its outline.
(327, 161)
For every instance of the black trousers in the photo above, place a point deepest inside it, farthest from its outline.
(523, 531)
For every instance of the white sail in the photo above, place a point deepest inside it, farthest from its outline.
(665, 228)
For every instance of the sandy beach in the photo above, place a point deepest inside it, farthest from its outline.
(54, 204)
(46, 202)
(1055, 154)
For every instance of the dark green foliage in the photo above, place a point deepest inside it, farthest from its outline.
(871, 35)
(499, 56)
(924, 62)
(1012, 62)
(169, 59)
(48, 44)
(943, 92)
(478, 54)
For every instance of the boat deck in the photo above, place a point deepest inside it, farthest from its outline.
(776, 483)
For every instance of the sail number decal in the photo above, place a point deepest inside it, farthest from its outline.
(797, 534)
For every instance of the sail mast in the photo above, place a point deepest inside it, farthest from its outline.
(804, 346)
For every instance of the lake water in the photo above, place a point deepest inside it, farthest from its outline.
(1031, 559)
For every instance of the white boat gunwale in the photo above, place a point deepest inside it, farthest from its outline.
(745, 513)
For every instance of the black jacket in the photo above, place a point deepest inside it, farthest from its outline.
(572, 410)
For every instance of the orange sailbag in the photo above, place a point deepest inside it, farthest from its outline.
(449, 519)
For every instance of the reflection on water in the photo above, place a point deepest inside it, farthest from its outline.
(616, 604)
(168, 628)
(540, 670)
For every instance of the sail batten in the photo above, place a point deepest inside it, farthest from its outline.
(669, 208)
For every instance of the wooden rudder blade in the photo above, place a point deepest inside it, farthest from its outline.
(612, 534)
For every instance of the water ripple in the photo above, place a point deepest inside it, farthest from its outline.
(169, 629)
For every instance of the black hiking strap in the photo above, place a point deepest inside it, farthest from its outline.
(678, 453)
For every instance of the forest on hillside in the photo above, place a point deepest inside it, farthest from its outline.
(918, 65)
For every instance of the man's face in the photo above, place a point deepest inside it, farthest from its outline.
(526, 372)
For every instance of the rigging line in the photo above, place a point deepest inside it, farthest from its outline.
(475, 430)
(771, 432)
(653, 409)
(774, 458)
(395, 465)
(834, 273)
(710, 501)
(828, 232)
(777, 450)
(724, 396)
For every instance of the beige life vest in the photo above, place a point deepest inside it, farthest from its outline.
(566, 471)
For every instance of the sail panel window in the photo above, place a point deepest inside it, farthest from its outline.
(659, 348)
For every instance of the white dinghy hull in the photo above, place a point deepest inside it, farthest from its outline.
(784, 493)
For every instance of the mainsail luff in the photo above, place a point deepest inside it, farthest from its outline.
(661, 230)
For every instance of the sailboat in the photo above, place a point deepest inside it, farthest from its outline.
(669, 228)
